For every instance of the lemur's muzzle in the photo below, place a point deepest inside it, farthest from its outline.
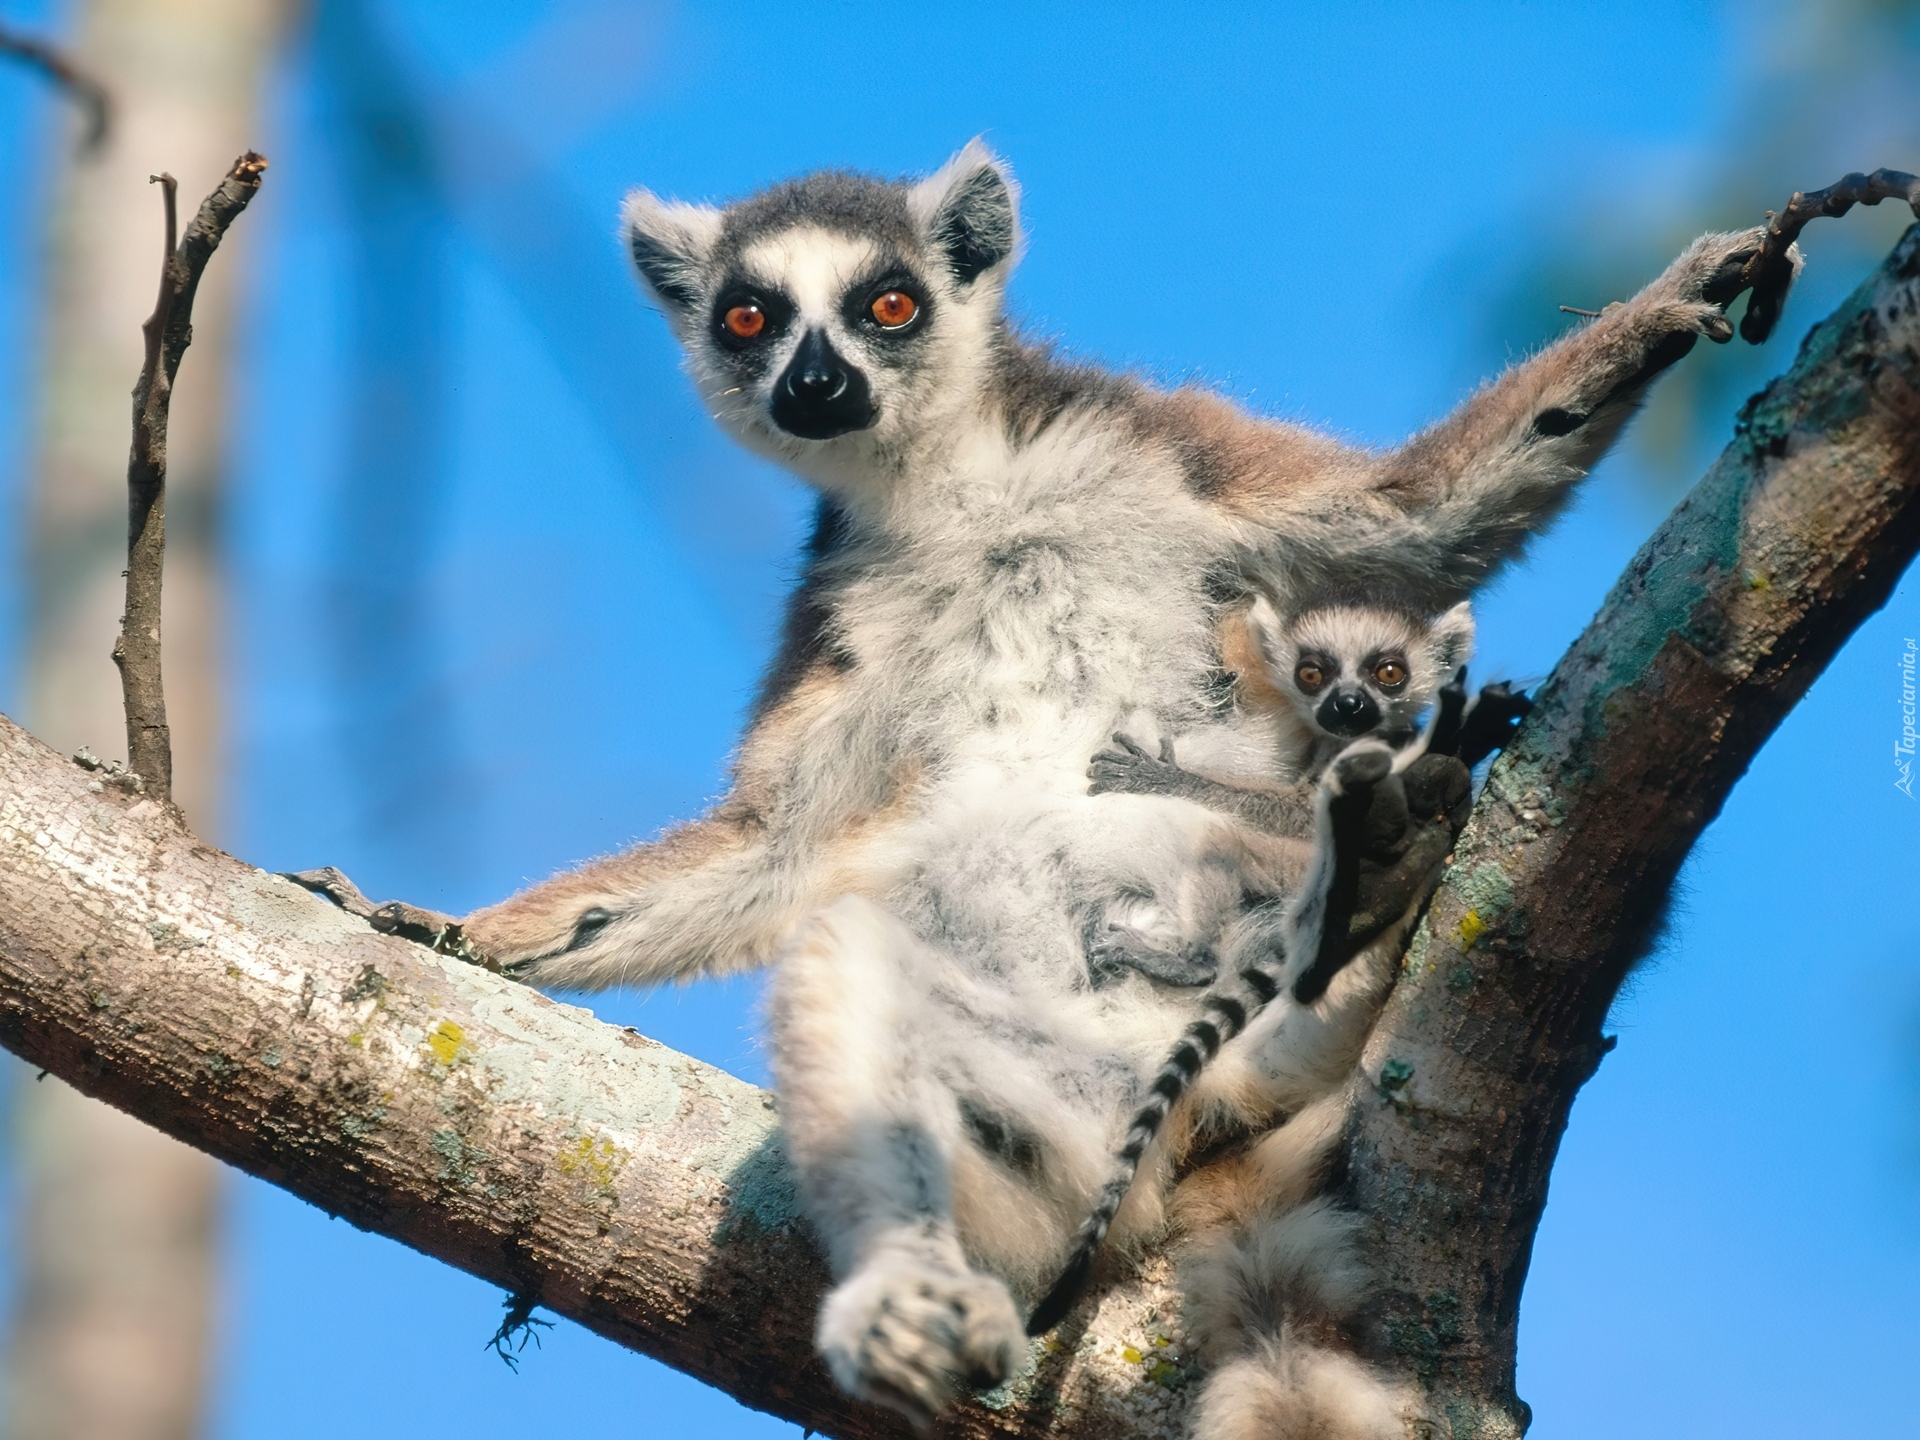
(819, 395)
(1348, 713)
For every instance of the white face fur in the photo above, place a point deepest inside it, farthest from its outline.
(1353, 670)
(832, 322)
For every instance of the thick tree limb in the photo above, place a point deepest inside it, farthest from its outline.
(1799, 532)
(168, 332)
(644, 1194)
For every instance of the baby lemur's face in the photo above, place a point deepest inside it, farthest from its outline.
(826, 320)
(1349, 670)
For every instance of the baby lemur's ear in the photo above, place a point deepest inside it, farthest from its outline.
(1453, 638)
(1263, 625)
(969, 211)
(670, 242)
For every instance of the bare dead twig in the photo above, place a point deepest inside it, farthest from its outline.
(1770, 271)
(85, 91)
(168, 332)
(1576, 310)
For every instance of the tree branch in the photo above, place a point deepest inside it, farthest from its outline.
(88, 93)
(1799, 532)
(645, 1194)
(168, 332)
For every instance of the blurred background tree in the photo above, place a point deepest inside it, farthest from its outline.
(496, 591)
(1825, 83)
(117, 1225)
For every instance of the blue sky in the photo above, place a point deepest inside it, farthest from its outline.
(1315, 208)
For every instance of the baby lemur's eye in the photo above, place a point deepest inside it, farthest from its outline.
(1309, 676)
(746, 320)
(893, 309)
(1390, 672)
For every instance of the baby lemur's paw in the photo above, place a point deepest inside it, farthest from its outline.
(909, 1335)
(1118, 949)
(1124, 768)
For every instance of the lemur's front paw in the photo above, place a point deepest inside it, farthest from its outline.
(435, 929)
(1123, 768)
(1693, 294)
(1429, 801)
(1496, 714)
(911, 1337)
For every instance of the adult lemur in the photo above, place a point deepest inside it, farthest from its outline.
(1014, 558)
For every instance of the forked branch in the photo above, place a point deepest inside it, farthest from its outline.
(646, 1196)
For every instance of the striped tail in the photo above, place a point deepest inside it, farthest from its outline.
(1306, 932)
(1227, 1015)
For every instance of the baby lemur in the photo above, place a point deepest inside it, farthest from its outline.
(1015, 557)
(1352, 678)
(1334, 670)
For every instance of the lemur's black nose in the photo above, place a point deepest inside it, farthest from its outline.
(820, 395)
(817, 374)
(1348, 712)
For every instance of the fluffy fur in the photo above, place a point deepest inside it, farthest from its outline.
(1015, 557)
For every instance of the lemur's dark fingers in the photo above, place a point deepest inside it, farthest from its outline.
(1769, 271)
(1360, 776)
(1382, 835)
(1450, 707)
(335, 886)
(435, 929)
(1438, 788)
(1496, 714)
(1127, 743)
(1166, 750)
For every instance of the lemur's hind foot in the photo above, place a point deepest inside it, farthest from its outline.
(912, 1335)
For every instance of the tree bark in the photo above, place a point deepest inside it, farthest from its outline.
(645, 1194)
(1801, 530)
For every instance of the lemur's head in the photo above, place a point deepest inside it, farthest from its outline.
(823, 317)
(1358, 667)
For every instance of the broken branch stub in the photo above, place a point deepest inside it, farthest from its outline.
(167, 332)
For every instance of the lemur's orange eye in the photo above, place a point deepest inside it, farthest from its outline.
(746, 321)
(1309, 676)
(1390, 673)
(894, 309)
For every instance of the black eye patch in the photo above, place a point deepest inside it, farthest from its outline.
(774, 307)
(857, 305)
(590, 924)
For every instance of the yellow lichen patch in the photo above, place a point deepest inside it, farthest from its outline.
(597, 1161)
(446, 1041)
(1757, 581)
(1131, 1355)
(1470, 929)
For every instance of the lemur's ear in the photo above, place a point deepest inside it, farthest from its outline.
(969, 212)
(1453, 638)
(669, 241)
(1263, 624)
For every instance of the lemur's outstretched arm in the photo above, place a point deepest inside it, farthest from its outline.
(1443, 512)
(714, 895)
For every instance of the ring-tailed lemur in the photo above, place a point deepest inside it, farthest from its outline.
(1354, 677)
(1331, 672)
(1015, 557)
